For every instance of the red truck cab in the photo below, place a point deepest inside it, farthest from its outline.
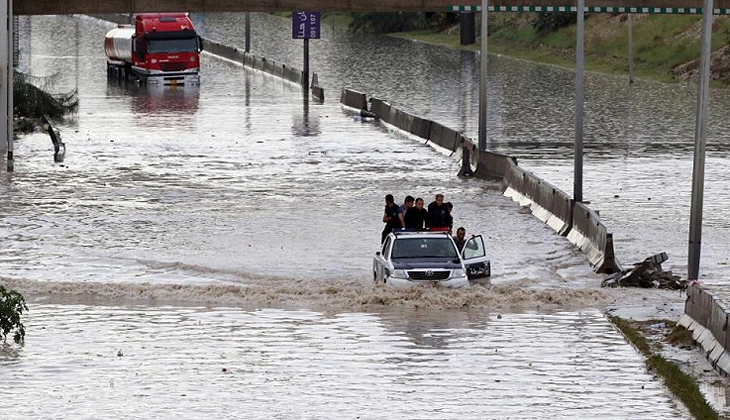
(161, 48)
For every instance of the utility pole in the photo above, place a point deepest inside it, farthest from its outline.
(579, 92)
(6, 80)
(305, 73)
(248, 32)
(631, 49)
(698, 169)
(483, 81)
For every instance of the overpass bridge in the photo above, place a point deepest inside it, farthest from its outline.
(58, 7)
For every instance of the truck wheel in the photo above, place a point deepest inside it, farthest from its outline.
(375, 277)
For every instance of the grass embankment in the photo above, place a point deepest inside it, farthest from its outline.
(682, 385)
(662, 43)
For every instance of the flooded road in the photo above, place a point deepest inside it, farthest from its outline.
(165, 362)
(235, 181)
(638, 138)
(243, 220)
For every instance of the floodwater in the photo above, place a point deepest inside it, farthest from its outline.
(639, 138)
(233, 226)
(166, 362)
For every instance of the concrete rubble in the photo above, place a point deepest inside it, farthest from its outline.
(646, 274)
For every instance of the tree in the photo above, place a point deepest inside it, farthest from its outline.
(32, 101)
(12, 306)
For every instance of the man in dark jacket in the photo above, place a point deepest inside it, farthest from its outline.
(416, 216)
(437, 213)
(393, 217)
(449, 219)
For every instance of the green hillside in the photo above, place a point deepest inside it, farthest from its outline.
(666, 47)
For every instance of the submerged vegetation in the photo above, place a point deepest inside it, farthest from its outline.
(682, 385)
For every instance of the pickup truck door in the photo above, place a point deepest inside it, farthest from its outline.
(380, 261)
(475, 258)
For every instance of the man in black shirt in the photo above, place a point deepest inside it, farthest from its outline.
(393, 217)
(416, 216)
(437, 213)
(448, 218)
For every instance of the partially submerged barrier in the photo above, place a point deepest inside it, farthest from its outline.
(266, 65)
(581, 225)
(707, 317)
(317, 91)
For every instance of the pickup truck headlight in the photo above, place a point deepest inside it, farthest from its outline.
(399, 274)
(458, 273)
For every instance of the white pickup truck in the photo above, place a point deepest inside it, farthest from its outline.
(408, 258)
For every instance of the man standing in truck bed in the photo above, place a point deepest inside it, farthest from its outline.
(393, 217)
(437, 213)
(417, 216)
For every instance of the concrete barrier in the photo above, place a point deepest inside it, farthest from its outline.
(278, 69)
(589, 234)
(443, 136)
(354, 99)
(707, 316)
(421, 127)
(493, 165)
(379, 107)
(317, 91)
(401, 119)
(225, 51)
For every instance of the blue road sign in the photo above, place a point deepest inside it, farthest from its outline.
(305, 25)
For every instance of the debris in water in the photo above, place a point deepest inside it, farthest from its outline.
(646, 274)
(119, 353)
(499, 316)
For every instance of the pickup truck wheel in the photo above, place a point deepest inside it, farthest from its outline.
(375, 277)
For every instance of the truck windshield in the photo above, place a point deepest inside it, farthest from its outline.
(424, 248)
(157, 46)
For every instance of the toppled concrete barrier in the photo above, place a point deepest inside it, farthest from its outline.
(646, 274)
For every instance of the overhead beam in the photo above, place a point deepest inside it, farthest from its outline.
(57, 7)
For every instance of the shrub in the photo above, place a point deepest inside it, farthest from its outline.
(12, 306)
(388, 22)
(547, 22)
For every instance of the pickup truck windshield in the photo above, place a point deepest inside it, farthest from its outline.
(157, 46)
(424, 248)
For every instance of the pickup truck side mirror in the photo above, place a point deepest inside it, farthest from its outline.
(377, 253)
(200, 43)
